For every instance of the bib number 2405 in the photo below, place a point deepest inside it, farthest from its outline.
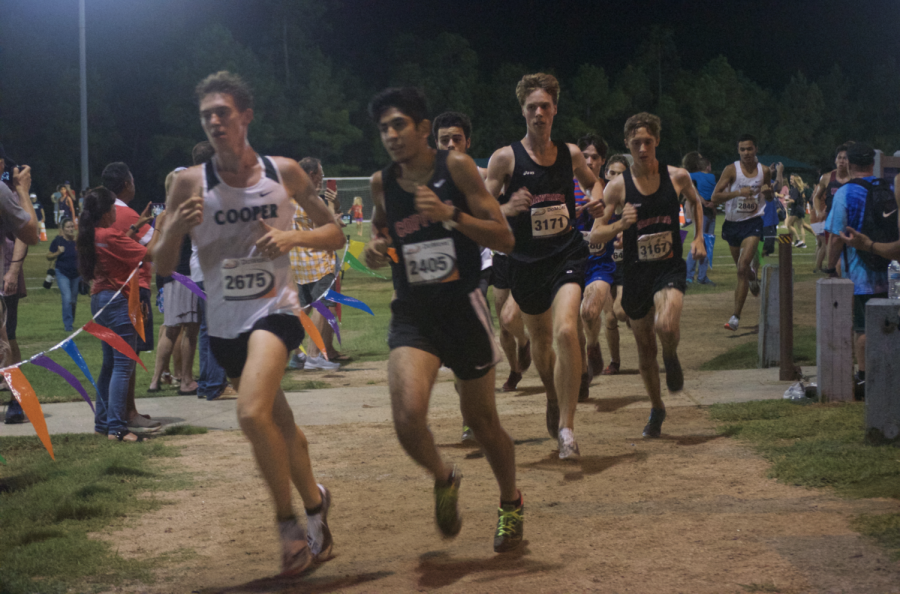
(430, 261)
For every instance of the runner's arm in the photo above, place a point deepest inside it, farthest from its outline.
(766, 189)
(613, 197)
(376, 249)
(819, 196)
(685, 186)
(184, 206)
(586, 178)
(720, 195)
(486, 226)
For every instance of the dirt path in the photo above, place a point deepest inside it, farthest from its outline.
(691, 512)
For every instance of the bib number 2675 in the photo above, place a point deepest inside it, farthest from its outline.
(247, 278)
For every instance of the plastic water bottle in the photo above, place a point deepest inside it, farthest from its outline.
(894, 280)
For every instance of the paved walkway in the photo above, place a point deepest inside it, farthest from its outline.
(371, 404)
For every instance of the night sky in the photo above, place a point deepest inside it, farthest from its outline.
(768, 40)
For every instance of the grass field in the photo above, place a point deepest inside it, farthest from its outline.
(364, 336)
(821, 445)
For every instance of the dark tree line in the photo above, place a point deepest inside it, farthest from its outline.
(308, 104)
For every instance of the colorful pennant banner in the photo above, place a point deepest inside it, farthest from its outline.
(113, 340)
(48, 363)
(190, 285)
(72, 350)
(329, 317)
(357, 265)
(134, 306)
(312, 331)
(24, 393)
(348, 301)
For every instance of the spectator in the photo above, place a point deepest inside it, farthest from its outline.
(847, 210)
(356, 214)
(67, 203)
(17, 219)
(64, 253)
(55, 197)
(117, 179)
(701, 174)
(773, 211)
(314, 273)
(797, 201)
(107, 256)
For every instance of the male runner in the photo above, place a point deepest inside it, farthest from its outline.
(741, 187)
(615, 167)
(600, 269)
(238, 208)
(433, 208)
(453, 131)
(654, 272)
(546, 268)
(823, 196)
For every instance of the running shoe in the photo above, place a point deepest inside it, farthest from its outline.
(467, 435)
(510, 526)
(801, 245)
(611, 369)
(754, 286)
(553, 418)
(706, 281)
(674, 375)
(296, 557)
(595, 359)
(524, 357)
(511, 382)
(318, 535)
(297, 361)
(568, 447)
(732, 323)
(320, 363)
(584, 390)
(14, 413)
(654, 424)
(446, 510)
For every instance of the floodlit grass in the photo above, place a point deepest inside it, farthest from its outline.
(47, 509)
(185, 430)
(746, 356)
(821, 445)
(40, 327)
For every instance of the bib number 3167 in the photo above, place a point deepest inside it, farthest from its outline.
(656, 246)
(244, 279)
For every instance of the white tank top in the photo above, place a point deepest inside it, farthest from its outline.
(742, 208)
(241, 285)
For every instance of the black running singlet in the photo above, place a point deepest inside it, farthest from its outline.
(434, 262)
(830, 190)
(546, 229)
(654, 241)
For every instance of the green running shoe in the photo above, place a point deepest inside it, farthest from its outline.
(446, 510)
(510, 527)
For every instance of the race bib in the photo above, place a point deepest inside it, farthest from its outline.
(549, 221)
(248, 278)
(747, 205)
(656, 246)
(430, 261)
(618, 255)
(596, 249)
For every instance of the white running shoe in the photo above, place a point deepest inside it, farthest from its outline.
(320, 363)
(732, 323)
(568, 447)
(318, 535)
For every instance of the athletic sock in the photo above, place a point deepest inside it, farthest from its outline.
(512, 504)
(315, 510)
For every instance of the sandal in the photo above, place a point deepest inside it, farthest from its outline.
(121, 435)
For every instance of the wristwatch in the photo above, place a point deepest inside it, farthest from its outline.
(454, 219)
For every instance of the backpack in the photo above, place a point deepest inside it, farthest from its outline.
(879, 220)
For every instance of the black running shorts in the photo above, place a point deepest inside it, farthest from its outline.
(500, 266)
(460, 334)
(735, 232)
(640, 287)
(535, 284)
(231, 353)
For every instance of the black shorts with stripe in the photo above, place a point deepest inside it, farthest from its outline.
(458, 332)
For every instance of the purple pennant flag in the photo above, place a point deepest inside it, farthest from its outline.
(683, 236)
(48, 363)
(191, 285)
(329, 317)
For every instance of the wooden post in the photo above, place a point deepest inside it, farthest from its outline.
(769, 315)
(834, 339)
(786, 305)
(882, 370)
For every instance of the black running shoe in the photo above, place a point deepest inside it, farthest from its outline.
(446, 510)
(654, 425)
(14, 413)
(553, 418)
(674, 375)
(510, 527)
(584, 391)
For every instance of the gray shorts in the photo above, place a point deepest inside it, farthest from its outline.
(313, 291)
(181, 305)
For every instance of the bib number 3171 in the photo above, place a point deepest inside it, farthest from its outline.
(244, 279)
(549, 221)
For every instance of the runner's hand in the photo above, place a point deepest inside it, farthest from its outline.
(274, 243)
(10, 282)
(518, 203)
(22, 177)
(698, 248)
(594, 207)
(619, 243)
(376, 252)
(428, 204)
(745, 192)
(188, 215)
(629, 216)
(855, 239)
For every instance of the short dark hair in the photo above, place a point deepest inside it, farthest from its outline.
(842, 149)
(645, 120)
(115, 177)
(692, 161)
(409, 100)
(449, 119)
(748, 137)
(596, 141)
(310, 165)
(202, 152)
(228, 84)
(618, 159)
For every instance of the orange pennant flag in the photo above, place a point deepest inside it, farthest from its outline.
(134, 305)
(24, 393)
(312, 331)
